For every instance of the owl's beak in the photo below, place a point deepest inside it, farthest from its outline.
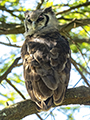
(33, 25)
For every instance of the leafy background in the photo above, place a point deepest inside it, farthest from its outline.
(74, 21)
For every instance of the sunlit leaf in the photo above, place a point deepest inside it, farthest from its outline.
(13, 37)
(24, 9)
(74, 48)
(49, 4)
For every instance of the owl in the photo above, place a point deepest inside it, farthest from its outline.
(46, 59)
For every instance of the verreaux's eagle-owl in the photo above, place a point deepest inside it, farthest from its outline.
(46, 59)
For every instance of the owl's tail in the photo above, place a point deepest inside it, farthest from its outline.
(45, 105)
(57, 98)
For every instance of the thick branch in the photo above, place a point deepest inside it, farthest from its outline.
(17, 28)
(11, 29)
(79, 95)
(73, 24)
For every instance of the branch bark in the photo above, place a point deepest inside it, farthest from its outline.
(79, 95)
(73, 24)
(11, 29)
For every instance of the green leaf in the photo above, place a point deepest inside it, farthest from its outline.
(74, 48)
(13, 37)
(49, 4)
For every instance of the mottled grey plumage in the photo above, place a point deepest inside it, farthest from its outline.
(46, 59)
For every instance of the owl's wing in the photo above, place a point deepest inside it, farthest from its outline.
(46, 70)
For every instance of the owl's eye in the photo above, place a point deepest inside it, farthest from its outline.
(40, 18)
(29, 21)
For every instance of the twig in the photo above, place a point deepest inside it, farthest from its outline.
(39, 116)
(8, 81)
(74, 7)
(39, 4)
(49, 113)
(8, 40)
(9, 44)
(19, 64)
(62, 17)
(11, 12)
(83, 77)
(86, 31)
(60, 5)
(77, 82)
(82, 67)
(9, 69)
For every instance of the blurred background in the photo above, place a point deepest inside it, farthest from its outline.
(74, 21)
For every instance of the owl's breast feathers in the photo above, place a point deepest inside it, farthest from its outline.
(46, 62)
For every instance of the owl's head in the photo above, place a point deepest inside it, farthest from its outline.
(39, 20)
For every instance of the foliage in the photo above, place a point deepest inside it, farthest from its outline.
(74, 21)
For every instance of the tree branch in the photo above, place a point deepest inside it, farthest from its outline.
(79, 95)
(9, 82)
(73, 24)
(39, 4)
(83, 77)
(11, 12)
(78, 40)
(18, 28)
(9, 44)
(62, 17)
(9, 69)
(83, 68)
(74, 7)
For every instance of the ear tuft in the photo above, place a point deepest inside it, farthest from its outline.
(49, 9)
(26, 13)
